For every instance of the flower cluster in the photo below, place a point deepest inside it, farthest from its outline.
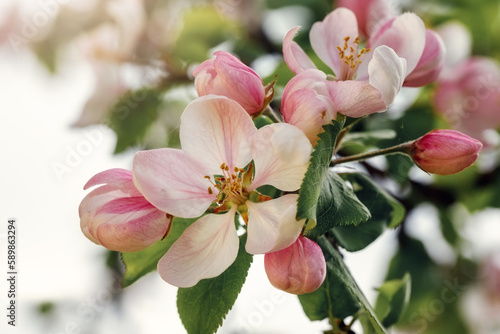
(225, 160)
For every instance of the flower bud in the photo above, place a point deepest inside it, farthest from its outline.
(445, 152)
(298, 269)
(226, 75)
(117, 216)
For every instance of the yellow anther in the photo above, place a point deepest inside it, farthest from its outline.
(223, 166)
(210, 190)
(236, 169)
(207, 177)
(351, 48)
(242, 170)
(356, 40)
(346, 39)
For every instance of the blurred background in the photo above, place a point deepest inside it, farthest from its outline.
(85, 84)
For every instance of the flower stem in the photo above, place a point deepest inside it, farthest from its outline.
(401, 149)
(269, 112)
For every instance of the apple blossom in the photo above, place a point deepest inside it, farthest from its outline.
(224, 159)
(335, 40)
(117, 216)
(226, 75)
(298, 269)
(445, 152)
(469, 98)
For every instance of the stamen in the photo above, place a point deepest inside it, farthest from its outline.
(210, 190)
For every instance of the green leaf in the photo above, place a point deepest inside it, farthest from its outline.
(203, 307)
(339, 296)
(386, 212)
(195, 40)
(337, 206)
(132, 115)
(261, 121)
(138, 264)
(312, 184)
(393, 297)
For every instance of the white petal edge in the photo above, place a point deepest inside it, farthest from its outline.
(387, 72)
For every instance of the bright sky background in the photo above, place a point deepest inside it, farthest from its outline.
(56, 263)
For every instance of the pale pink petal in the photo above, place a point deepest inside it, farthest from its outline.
(117, 177)
(387, 72)
(272, 225)
(356, 98)
(204, 73)
(405, 35)
(216, 130)
(307, 111)
(281, 154)
(312, 79)
(205, 250)
(240, 82)
(296, 59)
(327, 35)
(172, 182)
(370, 13)
(431, 63)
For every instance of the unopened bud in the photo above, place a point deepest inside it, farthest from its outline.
(445, 152)
(298, 269)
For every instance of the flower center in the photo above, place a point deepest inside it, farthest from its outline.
(231, 186)
(350, 58)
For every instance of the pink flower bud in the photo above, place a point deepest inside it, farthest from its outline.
(445, 152)
(117, 216)
(226, 75)
(298, 269)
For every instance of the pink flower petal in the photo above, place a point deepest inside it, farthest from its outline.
(205, 249)
(117, 178)
(327, 35)
(307, 111)
(110, 218)
(272, 225)
(281, 153)
(296, 59)
(405, 35)
(216, 130)
(431, 63)
(356, 98)
(172, 182)
(387, 72)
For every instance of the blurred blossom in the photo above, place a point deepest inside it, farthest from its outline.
(469, 97)
(298, 269)
(370, 13)
(458, 44)
(445, 152)
(117, 216)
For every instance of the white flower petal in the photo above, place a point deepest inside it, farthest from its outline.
(205, 250)
(272, 225)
